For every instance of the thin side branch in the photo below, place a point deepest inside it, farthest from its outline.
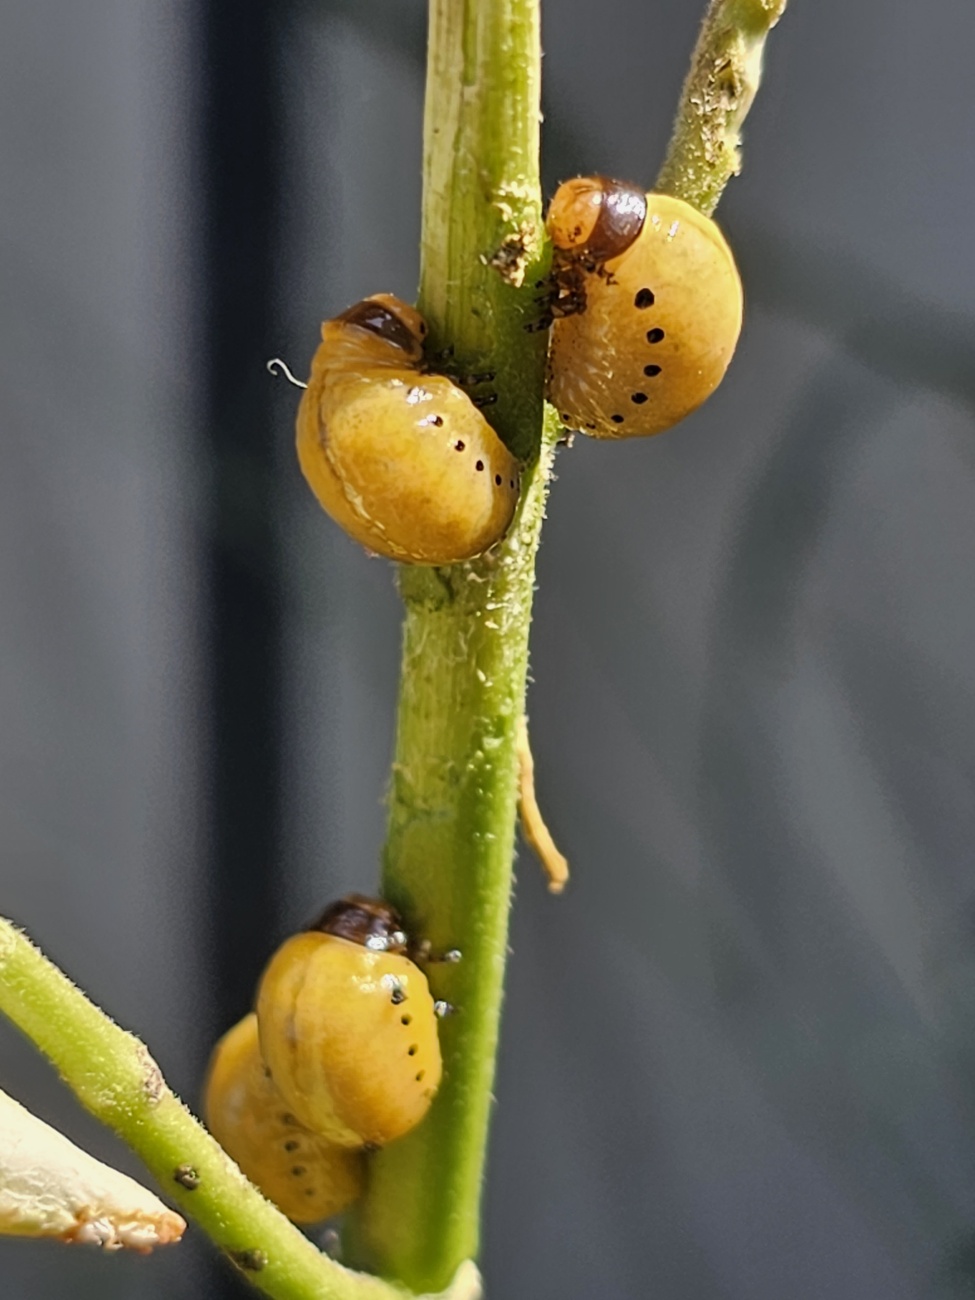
(726, 68)
(113, 1076)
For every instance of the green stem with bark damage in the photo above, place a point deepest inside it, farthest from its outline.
(452, 801)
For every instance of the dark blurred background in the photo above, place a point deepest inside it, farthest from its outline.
(739, 1054)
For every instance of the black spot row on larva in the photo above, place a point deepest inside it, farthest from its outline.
(405, 1020)
(459, 445)
(655, 335)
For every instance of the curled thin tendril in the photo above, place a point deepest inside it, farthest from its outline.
(278, 367)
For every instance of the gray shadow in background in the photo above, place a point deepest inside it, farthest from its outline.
(738, 1060)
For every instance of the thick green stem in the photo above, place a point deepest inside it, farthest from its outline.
(113, 1076)
(483, 246)
(465, 648)
(725, 72)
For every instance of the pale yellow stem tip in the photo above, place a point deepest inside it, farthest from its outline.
(51, 1188)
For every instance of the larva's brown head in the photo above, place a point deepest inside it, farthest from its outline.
(366, 921)
(399, 456)
(595, 218)
(390, 319)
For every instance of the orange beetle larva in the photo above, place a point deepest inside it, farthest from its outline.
(648, 308)
(401, 459)
(307, 1178)
(348, 1027)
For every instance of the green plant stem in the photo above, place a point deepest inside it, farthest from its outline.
(482, 246)
(725, 72)
(113, 1076)
(449, 849)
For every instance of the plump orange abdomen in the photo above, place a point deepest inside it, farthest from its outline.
(401, 459)
(307, 1178)
(350, 1037)
(648, 312)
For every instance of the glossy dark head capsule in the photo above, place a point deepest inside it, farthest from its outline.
(363, 920)
(596, 218)
(384, 316)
